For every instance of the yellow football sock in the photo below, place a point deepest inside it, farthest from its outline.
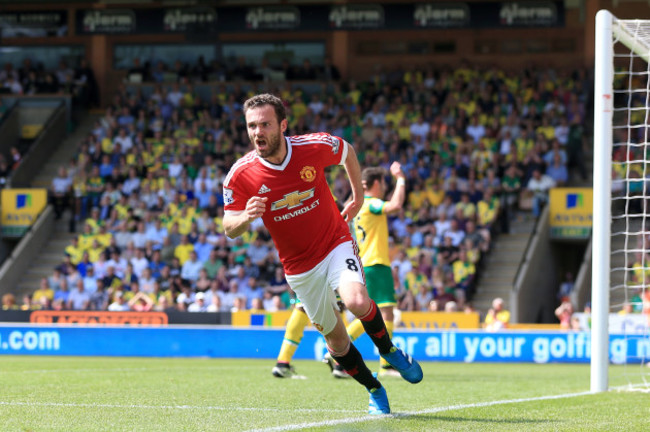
(293, 335)
(355, 330)
(389, 327)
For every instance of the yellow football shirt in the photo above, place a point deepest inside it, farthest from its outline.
(462, 270)
(75, 253)
(182, 252)
(371, 229)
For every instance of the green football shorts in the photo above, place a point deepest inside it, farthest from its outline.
(379, 282)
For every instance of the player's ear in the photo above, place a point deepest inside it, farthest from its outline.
(283, 125)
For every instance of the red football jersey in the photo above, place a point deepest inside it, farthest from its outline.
(301, 214)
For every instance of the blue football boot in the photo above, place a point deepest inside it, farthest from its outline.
(408, 367)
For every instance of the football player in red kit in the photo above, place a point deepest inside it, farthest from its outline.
(283, 181)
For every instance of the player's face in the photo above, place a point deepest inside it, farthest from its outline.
(265, 132)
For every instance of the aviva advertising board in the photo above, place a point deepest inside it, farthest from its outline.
(410, 320)
(20, 208)
(571, 212)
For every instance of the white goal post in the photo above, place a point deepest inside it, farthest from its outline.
(622, 51)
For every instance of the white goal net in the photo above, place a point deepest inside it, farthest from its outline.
(621, 242)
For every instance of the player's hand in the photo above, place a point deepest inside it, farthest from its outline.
(255, 207)
(396, 169)
(351, 209)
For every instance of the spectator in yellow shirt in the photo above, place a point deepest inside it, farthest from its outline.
(488, 209)
(393, 115)
(497, 317)
(463, 270)
(640, 274)
(43, 290)
(467, 207)
(94, 251)
(94, 220)
(435, 194)
(182, 251)
(9, 302)
(74, 251)
(185, 220)
(417, 196)
(546, 129)
(104, 237)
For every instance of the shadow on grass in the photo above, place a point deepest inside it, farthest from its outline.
(435, 417)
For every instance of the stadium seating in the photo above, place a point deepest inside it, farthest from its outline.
(152, 167)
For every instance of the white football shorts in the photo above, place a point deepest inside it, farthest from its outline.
(315, 288)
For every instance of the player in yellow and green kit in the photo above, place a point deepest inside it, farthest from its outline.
(371, 230)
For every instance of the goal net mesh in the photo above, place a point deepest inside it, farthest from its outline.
(630, 229)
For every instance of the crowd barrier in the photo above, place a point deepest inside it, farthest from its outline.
(232, 342)
(416, 320)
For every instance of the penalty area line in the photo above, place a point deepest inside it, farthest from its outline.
(407, 414)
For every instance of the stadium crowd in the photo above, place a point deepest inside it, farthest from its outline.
(145, 186)
(35, 79)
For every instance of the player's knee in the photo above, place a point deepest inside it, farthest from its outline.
(338, 344)
(358, 305)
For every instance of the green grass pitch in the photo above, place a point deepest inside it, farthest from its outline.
(153, 394)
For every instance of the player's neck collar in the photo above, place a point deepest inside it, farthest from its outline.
(284, 163)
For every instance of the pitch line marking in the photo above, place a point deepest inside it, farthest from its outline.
(63, 370)
(407, 414)
(133, 369)
(180, 407)
(314, 424)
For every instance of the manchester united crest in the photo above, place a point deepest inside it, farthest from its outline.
(308, 174)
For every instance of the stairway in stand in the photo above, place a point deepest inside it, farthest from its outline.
(52, 253)
(497, 276)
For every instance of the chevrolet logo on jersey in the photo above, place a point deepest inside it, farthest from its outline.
(293, 199)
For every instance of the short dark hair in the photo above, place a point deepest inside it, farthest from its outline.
(267, 99)
(370, 175)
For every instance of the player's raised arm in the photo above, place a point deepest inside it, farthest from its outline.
(399, 194)
(353, 169)
(236, 223)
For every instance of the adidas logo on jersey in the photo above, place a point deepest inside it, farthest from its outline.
(264, 189)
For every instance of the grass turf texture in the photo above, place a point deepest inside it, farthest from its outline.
(152, 394)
